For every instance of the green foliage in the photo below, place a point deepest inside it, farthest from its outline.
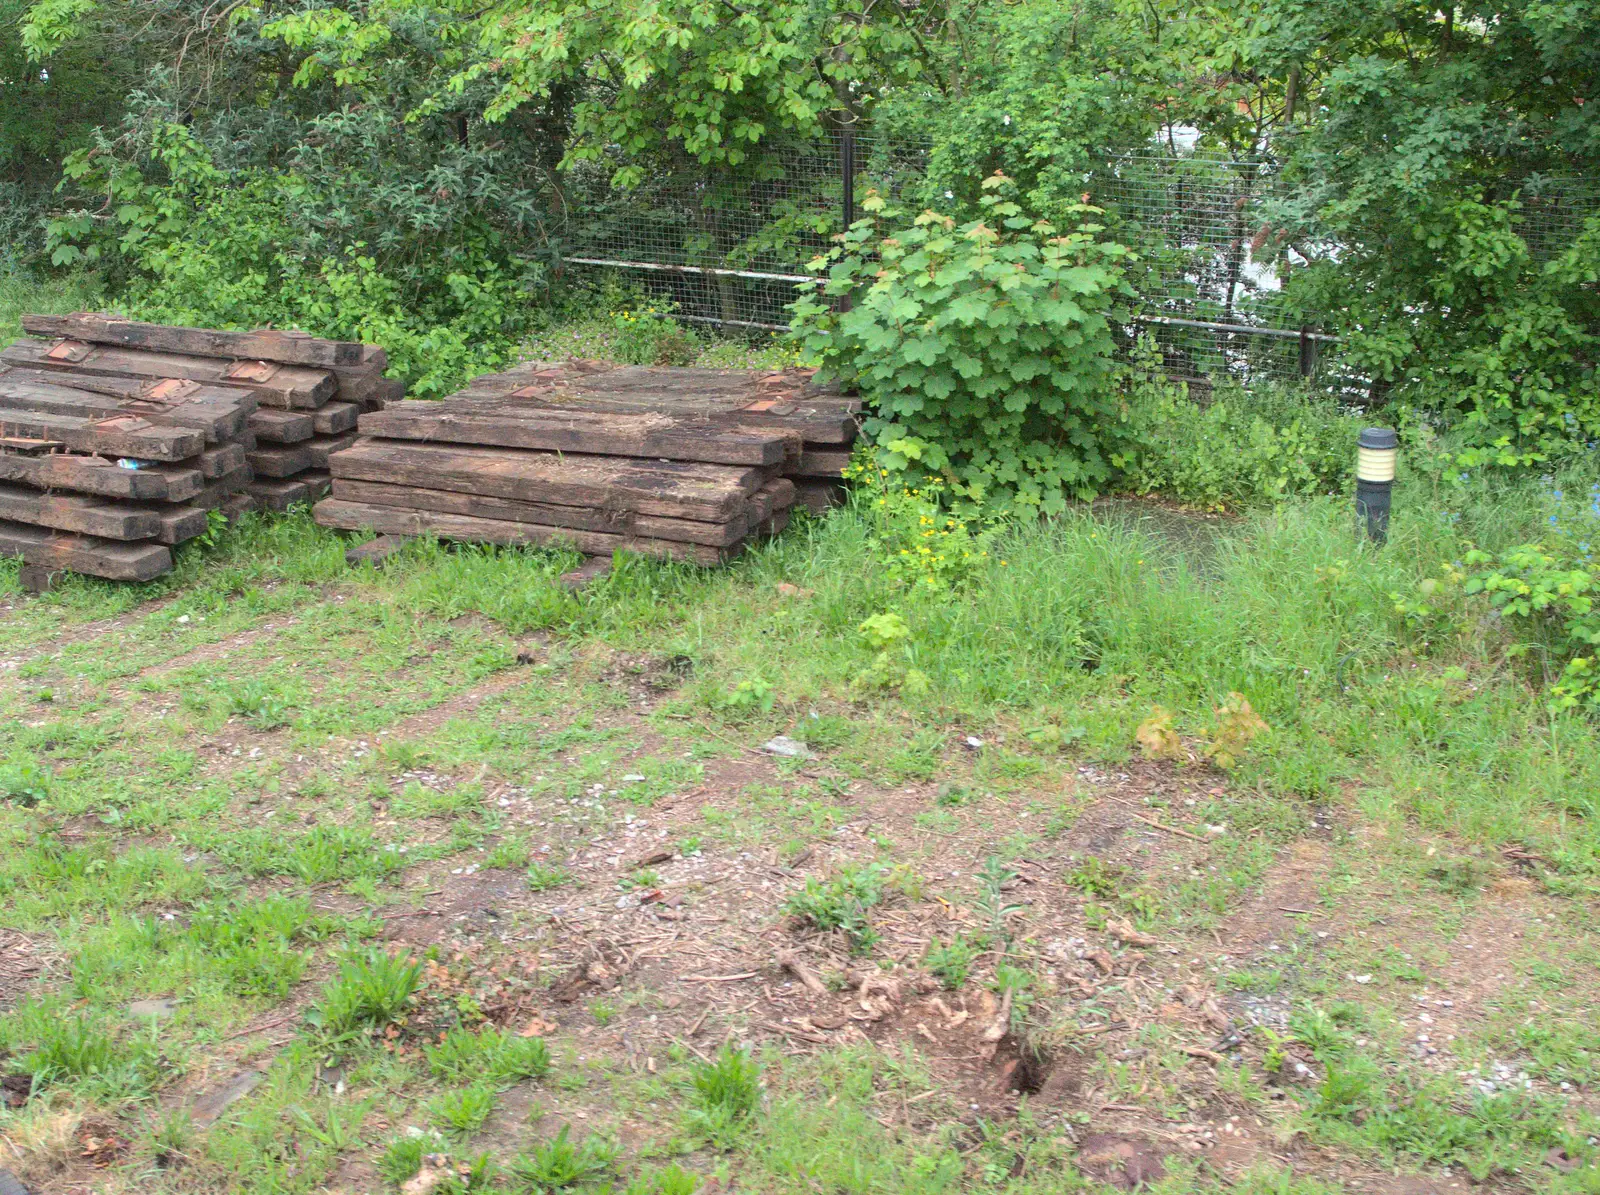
(1095, 877)
(841, 903)
(892, 667)
(493, 1055)
(542, 877)
(511, 853)
(402, 1157)
(201, 240)
(1240, 448)
(258, 701)
(1550, 590)
(649, 335)
(671, 1179)
(24, 782)
(750, 696)
(370, 990)
(252, 944)
(462, 1112)
(925, 543)
(985, 348)
(1417, 183)
(952, 963)
(727, 1091)
(992, 904)
(559, 1164)
(321, 854)
(80, 1051)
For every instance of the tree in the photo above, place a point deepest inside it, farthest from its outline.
(1434, 177)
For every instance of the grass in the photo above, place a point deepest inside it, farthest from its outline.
(280, 793)
(22, 294)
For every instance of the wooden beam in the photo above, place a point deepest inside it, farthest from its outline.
(51, 550)
(388, 520)
(288, 347)
(602, 433)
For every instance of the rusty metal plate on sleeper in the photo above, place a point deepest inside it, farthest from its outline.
(769, 406)
(70, 351)
(170, 389)
(251, 371)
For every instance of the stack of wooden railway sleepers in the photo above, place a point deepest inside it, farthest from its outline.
(688, 464)
(117, 438)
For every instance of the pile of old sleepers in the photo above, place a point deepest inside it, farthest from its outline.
(687, 464)
(117, 438)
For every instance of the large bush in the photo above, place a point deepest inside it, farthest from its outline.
(346, 226)
(984, 349)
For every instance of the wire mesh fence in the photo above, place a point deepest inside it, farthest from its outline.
(727, 246)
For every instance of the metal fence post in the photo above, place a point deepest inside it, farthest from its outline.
(847, 170)
(1308, 352)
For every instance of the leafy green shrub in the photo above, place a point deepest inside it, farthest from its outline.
(1240, 448)
(327, 238)
(494, 1055)
(370, 991)
(841, 903)
(727, 1091)
(986, 349)
(1549, 588)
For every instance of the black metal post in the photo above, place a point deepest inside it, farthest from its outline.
(1308, 352)
(1375, 453)
(847, 170)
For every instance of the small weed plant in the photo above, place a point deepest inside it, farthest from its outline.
(542, 877)
(462, 1113)
(748, 698)
(727, 1091)
(24, 782)
(841, 903)
(489, 1054)
(560, 1164)
(927, 542)
(952, 964)
(889, 635)
(371, 990)
(259, 703)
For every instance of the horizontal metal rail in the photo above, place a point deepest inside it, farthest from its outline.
(1247, 329)
(703, 270)
(711, 271)
(717, 319)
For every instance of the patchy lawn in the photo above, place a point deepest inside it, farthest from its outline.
(438, 877)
